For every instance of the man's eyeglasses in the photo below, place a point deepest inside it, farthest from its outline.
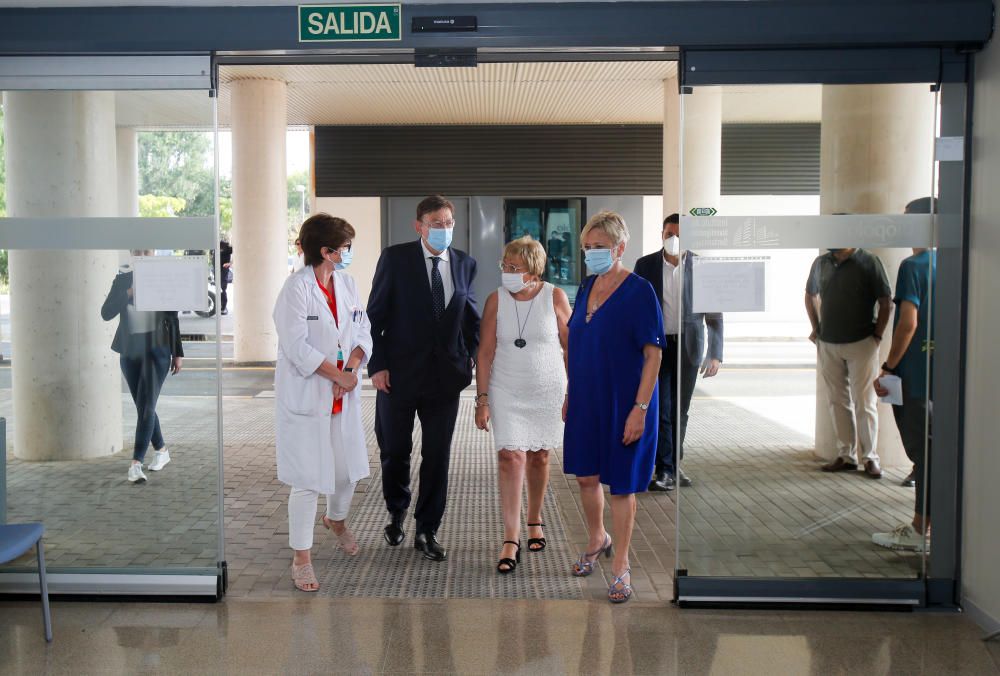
(438, 225)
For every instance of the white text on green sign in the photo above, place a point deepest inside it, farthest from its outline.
(341, 23)
(703, 211)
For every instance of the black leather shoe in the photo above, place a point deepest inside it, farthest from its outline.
(662, 481)
(394, 532)
(429, 545)
(683, 479)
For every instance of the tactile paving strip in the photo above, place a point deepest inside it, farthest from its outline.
(472, 532)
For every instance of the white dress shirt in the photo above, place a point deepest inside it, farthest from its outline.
(671, 303)
(444, 267)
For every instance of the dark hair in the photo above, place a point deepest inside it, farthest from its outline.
(323, 230)
(922, 205)
(672, 218)
(429, 205)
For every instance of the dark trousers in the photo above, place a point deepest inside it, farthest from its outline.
(223, 285)
(394, 417)
(913, 419)
(145, 376)
(671, 427)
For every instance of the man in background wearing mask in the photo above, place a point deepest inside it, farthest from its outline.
(663, 270)
(843, 290)
(425, 328)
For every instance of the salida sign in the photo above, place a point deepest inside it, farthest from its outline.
(340, 23)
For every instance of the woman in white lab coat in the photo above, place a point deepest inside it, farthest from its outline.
(324, 339)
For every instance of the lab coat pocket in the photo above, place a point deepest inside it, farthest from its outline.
(296, 393)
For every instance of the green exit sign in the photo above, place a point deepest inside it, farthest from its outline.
(342, 23)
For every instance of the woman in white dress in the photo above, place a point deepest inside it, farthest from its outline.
(520, 385)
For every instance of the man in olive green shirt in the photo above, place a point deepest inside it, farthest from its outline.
(844, 290)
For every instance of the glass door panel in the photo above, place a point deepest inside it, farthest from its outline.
(106, 357)
(556, 223)
(797, 469)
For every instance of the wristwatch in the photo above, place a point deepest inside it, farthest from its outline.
(348, 369)
(885, 367)
(642, 405)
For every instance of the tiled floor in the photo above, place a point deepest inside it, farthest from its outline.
(313, 635)
(759, 507)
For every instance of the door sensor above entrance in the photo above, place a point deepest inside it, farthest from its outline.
(445, 58)
(444, 24)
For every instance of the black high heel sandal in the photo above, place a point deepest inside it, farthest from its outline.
(510, 563)
(536, 541)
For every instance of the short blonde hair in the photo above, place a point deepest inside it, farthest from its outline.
(530, 251)
(610, 223)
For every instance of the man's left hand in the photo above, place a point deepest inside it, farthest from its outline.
(710, 368)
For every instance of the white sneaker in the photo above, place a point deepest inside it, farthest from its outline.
(903, 538)
(135, 474)
(160, 460)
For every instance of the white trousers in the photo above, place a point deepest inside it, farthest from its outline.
(302, 502)
(849, 370)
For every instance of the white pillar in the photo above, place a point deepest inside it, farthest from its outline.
(260, 263)
(671, 148)
(702, 164)
(876, 155)
(66, 380)
(128, 171)
(128, 178)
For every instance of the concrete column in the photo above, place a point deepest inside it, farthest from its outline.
(702, 160)
(128, 171)
(260, 259)
(671, 149)
(876, 155)
(66, 380)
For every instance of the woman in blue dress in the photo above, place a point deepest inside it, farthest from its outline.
(615, 343)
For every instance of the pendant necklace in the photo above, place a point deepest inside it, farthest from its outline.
(521, 342)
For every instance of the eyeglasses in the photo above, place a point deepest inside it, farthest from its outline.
(336, 249)
(510, 268)
(438, 225)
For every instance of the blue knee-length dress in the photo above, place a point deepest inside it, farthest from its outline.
(605, 367)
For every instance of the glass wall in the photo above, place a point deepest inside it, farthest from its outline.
(797, 469)
(556, 223)
(110, 212)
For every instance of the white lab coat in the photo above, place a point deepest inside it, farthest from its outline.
(307, 334)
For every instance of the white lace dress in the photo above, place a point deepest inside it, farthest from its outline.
(527, 384)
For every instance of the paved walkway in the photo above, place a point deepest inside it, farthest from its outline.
(759, 507)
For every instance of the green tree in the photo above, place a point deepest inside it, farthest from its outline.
(178, 164)
(159, 206)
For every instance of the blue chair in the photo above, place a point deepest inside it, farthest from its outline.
(15, 540)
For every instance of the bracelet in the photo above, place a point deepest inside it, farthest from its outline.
(885, 367)
(483, 405)
(481, 395)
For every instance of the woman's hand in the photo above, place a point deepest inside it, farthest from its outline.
(565, 405)
(634, 426)
(346, 380)
(483, 417)
(175, 365)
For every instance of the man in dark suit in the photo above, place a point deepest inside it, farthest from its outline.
(425, 326)
(663, 270)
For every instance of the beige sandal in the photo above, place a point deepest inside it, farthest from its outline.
(345, 538)
(304, 575)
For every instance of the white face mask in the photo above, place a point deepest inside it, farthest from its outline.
(672, 245)
(513, 281)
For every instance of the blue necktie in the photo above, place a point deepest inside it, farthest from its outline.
(437, 289)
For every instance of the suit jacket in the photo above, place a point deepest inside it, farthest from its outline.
(693, 330)
(423, 355)
(167, 331)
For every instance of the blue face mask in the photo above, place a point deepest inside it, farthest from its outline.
(345, 259)
(439, 239)
(598, 261)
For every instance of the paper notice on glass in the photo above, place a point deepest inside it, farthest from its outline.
(895, 386)
(727, 284)
(170, 283)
